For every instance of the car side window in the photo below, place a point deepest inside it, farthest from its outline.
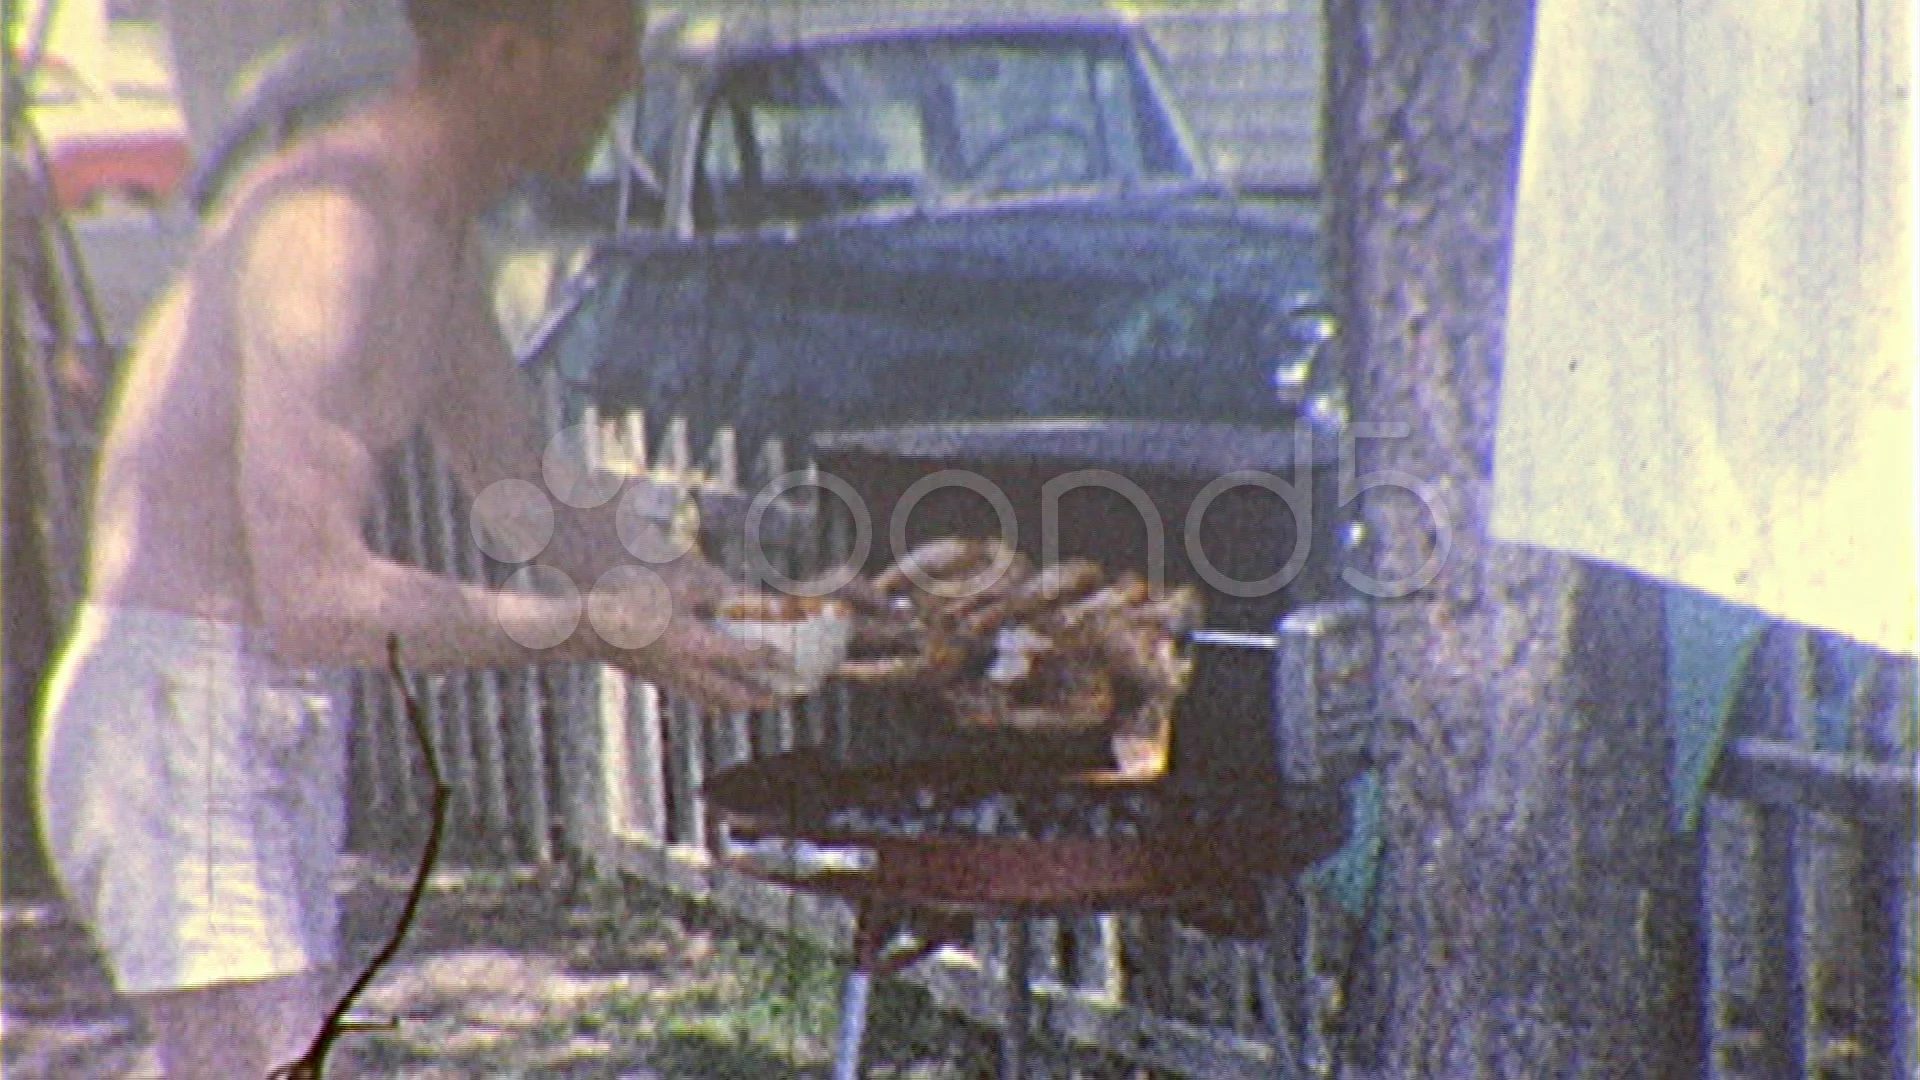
(1113, 93)
(614, 161)
(720, 157)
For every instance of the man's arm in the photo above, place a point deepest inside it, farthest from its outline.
(312, 287)
(308, 294)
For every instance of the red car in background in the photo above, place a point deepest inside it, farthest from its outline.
(121, 141)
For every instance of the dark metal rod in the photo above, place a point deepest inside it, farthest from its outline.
(1013, 1040)
(1233, 639)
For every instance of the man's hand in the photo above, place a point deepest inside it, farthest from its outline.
(652, 623)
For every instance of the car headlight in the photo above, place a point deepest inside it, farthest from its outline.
(1305, 331)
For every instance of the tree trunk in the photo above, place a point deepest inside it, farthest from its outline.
(1536, 906)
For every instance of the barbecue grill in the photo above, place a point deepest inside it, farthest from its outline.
(923, 825)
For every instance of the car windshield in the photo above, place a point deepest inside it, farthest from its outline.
(798, 135)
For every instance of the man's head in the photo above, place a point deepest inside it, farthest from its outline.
(546, 71)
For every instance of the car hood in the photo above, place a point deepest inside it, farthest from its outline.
(59, 123)
(1166, 308)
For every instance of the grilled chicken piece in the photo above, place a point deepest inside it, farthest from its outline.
(1072, 683)
(1152, 660)
(951, 657)
(867, 598)
(887, 635)
(958, 584)
(985, 587)
(1053, 650)
(1175, 613)
(1058, 584)
(891, 669)
(1140, 652)
(936, 559)
(1143, 739)
(1126, 594)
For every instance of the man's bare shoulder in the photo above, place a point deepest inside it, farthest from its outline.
(341, 161)
(310, 275)
(317, 237)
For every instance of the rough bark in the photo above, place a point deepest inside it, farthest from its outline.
(1535, 900)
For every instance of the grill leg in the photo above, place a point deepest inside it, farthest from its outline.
(872, 926)
(875, 924)
(853, 1024)
(1013, 1041)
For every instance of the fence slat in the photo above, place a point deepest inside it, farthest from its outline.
(1782, 924)
(593, 740)
(407, 766)
(773, 729)
(364, 764)
(415, 546)
(373, 793)
(647, 777)
(389, 717)
(1096, 956)
(676, 448)
(633, 440)
(565, 697)
(1888, 964)
(686, 769)
(732, 740)
(489, 714)
(1240, 986)
(723, 460)
(1150, 965)
(445, 557)
(527, 760)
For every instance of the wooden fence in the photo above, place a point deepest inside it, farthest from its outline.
(1809, 893)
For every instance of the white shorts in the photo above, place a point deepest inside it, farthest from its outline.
(193, 800)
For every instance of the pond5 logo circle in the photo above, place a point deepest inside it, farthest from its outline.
(630, 606)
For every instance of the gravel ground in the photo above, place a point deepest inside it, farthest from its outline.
(511, 976)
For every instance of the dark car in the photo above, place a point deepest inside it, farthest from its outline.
(869, 219)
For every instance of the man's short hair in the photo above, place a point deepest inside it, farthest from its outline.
(442, 26)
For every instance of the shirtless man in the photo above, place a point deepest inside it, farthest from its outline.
(193, 796)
